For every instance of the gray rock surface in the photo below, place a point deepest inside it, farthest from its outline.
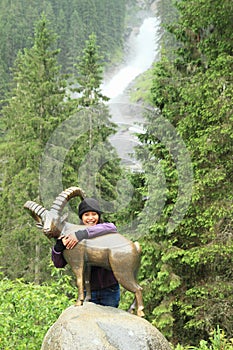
(95, 327)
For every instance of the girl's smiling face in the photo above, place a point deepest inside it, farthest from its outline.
(90, 218)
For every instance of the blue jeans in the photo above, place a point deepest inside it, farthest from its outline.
(108, 296)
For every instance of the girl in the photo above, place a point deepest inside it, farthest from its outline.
(105, 289)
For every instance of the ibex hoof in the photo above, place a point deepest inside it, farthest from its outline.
(79, 303)
(140, 313)
(131, 311)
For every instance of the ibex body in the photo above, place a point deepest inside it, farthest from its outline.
(111, 251)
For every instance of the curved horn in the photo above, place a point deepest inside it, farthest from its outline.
(36, 210)
(65, 196)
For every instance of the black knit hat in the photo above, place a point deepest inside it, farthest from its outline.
(88, 204)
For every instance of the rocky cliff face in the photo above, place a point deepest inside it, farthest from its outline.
(95, 327)
(147, 4)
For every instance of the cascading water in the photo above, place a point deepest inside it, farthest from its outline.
(144, 48)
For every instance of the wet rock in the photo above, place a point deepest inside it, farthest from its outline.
(154, 7)
(95, 327)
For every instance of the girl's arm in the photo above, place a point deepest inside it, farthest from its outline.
(58, 259)
(95, 231)
(100, 229)
(68, 242)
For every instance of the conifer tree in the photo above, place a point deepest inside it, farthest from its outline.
(90, 74)
(18, 17)
(186, 271)
(96, 156)
(35, 107)
(76, 41)
(40, 144)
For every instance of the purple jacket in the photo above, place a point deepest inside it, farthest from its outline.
(100, 277)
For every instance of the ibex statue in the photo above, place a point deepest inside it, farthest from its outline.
(111, 251)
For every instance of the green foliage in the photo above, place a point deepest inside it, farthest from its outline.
(204, 27)
(74, 21)
(34, 108)
(96, 157)
(90, 74)
(188, 271)
(143, 87)
(28, 310)
(48, 136)
(217, 341)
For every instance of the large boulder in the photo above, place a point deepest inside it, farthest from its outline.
(95, 327)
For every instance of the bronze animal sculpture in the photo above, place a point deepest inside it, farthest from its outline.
(111, 251)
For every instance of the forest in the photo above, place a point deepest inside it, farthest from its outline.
(182, 202)
(72, 21)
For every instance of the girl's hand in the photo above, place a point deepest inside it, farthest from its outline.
(70, 241)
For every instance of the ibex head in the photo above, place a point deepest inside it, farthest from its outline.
(51, 221)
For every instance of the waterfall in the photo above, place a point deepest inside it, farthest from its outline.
(143, 51)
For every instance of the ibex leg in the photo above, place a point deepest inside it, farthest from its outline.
(132, 307)
(128, 281)
(140, 305)
(87, 278)
(80, 285)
